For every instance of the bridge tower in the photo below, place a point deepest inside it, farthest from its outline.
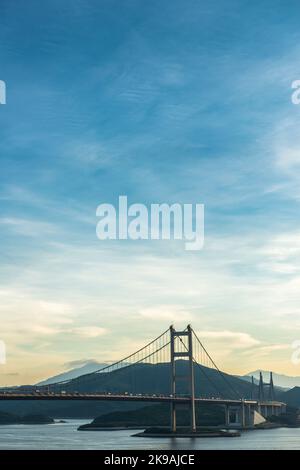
(261, 393)
(271, 388)
(262, 385)
(179, 353)
(252, 388)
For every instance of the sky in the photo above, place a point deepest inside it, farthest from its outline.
(169, 101)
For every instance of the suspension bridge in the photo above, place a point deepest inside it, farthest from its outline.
(170, 369)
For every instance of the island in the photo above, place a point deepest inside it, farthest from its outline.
(153, 416)
(153, 420)
(9, 418)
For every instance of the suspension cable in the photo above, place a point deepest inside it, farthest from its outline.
(217, 368)
(101, 370)
(202, 370)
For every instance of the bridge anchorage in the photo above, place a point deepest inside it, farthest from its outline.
(174, 368)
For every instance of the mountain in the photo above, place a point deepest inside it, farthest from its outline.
(278, 390)
(66, 409)
(248, 378)
(87, 368)
(292, 397)
(155, 379)
(280, 380)
(139, 378)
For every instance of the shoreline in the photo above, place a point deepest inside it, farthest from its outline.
(188, 434)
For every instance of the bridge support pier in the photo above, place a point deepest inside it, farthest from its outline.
(249, 416)
(258, 408)
(233, 416)
(173, 417)
(240, 416)
(227, 416)
(243, 415)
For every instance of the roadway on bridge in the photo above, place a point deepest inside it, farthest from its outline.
(127, 397)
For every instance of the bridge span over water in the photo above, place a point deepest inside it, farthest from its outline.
(168, 348)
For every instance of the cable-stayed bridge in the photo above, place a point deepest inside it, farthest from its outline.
(170, 369)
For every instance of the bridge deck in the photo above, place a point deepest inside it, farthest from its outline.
(129, 397)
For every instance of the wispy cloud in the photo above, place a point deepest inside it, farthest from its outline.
(230, 339)
(88, 331)
(171, 313)
(27, 227)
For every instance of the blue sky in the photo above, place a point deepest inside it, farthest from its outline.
(164, 102)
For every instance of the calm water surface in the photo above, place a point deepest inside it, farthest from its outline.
(66, 436)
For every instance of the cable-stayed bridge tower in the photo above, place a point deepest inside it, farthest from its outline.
(263, 385)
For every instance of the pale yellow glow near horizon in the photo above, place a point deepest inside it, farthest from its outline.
(29, 370)
(121, 299)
